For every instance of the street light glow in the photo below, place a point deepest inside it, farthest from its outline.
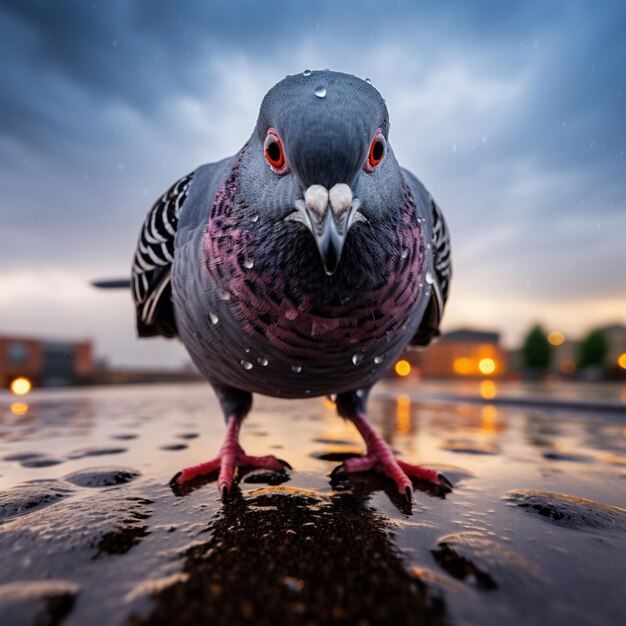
(403, 368)
(462, 366)
(556, 338)
(487, 366)
(21, 386)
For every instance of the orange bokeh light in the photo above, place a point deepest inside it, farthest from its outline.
(19, 408)
(21, 386)
(487, 389)
(462, 365)
(556, 338)
(403, 368)
(489, 418)
(487, 366)
(403, 414)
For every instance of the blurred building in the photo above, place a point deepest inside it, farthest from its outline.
(564, 357)
(45, 363)
(565, 352)
(616, 336)
(463, 353)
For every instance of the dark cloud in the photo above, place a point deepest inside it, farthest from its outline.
(512, 115)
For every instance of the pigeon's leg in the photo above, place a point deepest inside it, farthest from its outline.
(236, 405)
(379, 455)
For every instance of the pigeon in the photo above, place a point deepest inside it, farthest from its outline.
(301, 266)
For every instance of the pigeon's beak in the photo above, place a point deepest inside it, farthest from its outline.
(328, 214)
(329, 242)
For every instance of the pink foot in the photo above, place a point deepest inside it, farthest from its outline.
(229, 458)
(380, 457)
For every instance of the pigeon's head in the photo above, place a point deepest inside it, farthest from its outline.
(319, 159)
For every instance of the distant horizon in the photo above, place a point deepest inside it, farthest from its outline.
(186, 360)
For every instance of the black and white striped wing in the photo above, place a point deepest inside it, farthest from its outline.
(440, 241)
(441, 254)
(152, 263)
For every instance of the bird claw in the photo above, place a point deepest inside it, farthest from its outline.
(285, 464)
(399, 471)
(223, 492)
(226, 464)
(338, 472)
(408, 493)
(444, 482)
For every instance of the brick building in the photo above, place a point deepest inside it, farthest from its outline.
(46, 363)
(463, 353)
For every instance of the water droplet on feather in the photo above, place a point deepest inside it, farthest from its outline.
(430, 279)
(246, 365)
(357, 358)
(368, 81)
(405, 253)
(214, 319)
(248, 264)
(262, 361)
(320, 92)
(378, 360)
(296, 369)
(306, 73)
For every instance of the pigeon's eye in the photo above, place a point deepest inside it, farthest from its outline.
(274, 153)
(377, 151)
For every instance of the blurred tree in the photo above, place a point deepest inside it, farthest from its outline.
(536, 351)
(592, 350)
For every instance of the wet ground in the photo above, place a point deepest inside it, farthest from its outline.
(91, 533)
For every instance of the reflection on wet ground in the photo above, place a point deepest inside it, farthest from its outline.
(90, 531)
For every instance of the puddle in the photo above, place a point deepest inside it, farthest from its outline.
(29, 497)
(337, 453)
(569, 511)
(37, 602)
(102, 476)
(79, 454)
(469, 446)
(91, 532)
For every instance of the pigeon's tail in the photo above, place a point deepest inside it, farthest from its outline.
(114, 283)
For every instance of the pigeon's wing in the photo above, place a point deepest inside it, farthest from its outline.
(442, 272)
(441, 266)
(150, 275)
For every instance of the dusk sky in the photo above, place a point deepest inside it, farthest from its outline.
(514, 117)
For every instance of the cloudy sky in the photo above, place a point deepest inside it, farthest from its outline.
(514, 118)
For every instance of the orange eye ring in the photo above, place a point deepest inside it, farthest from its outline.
(274, 153)
(377, 151)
